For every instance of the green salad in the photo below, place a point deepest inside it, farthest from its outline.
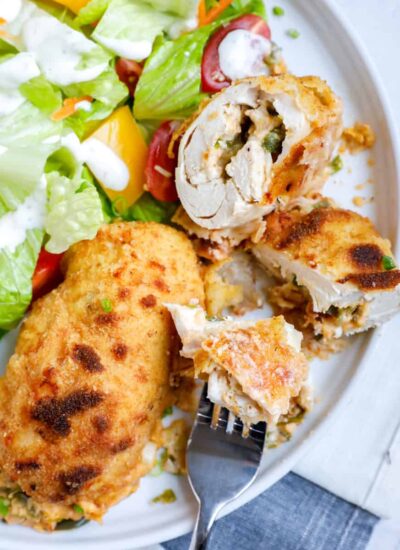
(85, 89)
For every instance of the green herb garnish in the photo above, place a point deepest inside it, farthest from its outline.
(336, 164)
(168, 411)
(106, 305)
(78, 509)
(388, 263)
(4, 507)
(277, 10)
(273, 141)
(293, 33)
(167, 497)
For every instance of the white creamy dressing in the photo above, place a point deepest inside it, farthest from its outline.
(14, 72)
(9, 9)
(58, 50)
(181, 26)
(106, 165)
(29, 215)
(136, 50)
(83, 105)
(242, 54)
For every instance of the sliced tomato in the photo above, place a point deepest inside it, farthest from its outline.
(47, 273)
(128, 72)
(212, 77)
(160, 168)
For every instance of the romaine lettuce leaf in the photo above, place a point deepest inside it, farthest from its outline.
(182, 8)
(16, 270)
(20, 170)
(74, 210)
(91, 13)
(83, 123)
(106, 88)
(149, 209)
(27, 126)
(128, 28)
(169, 87)
(42, 94)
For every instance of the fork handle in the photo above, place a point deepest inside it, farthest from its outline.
(205, 520)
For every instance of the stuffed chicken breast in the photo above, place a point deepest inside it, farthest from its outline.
(337, 272)
(84, 392)
(261, 140)
(254, 368)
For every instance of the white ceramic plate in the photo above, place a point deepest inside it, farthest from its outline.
(327, 48)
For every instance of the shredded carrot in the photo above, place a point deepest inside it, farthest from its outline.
(69, 107)
(207, 17)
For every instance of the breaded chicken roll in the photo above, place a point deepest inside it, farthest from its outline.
(337, 271)
(254, 368)
(260, 140)
(85, 390)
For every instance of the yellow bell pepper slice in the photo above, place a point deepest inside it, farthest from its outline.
(121, 133)
(73, 5)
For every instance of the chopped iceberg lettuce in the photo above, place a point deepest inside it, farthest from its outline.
(16, 270)
(128, 28)
(20, 170)
(182, 8)
(169, 87)
(66, 57)
(91, 13)
(42, 94)
(77, 203)
(26, 126)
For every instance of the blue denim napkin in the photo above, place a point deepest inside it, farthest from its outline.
(294, 514)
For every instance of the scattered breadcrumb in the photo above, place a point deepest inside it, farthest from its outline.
(357, 138)
(360, 186)
(371, 162)
(361, 201)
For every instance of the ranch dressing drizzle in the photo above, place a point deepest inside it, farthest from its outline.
(106, 165)
(29, 215)
(14, 72)
(242, 54)
(58, 50)
(9, 9)
(138, 50)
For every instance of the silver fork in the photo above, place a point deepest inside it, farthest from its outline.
(222, 462)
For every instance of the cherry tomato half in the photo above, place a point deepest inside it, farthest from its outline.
(47, 273)
(212, 77)
(160, 168)
(128, 72)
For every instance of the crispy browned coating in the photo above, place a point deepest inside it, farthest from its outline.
(86, 386)
(341, 243)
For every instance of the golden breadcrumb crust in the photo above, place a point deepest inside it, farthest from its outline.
(304, 169)
(259, 358)
(339, 243)
(89, 379)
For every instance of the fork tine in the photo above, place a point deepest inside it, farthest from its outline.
(258, 432)
(222, 460)
(238, 426)
(206, 407)
(223, 417)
